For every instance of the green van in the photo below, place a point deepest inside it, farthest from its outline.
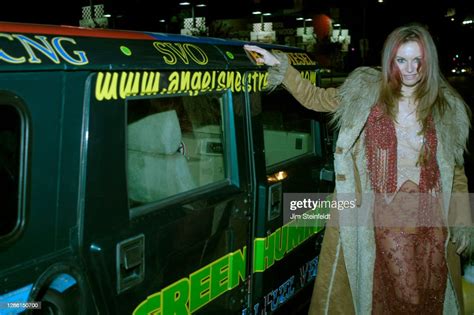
(144, 173)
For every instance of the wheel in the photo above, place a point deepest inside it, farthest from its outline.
(60, 303)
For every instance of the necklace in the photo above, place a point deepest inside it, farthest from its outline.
(408, 99)
(407, 107)
(408, 95)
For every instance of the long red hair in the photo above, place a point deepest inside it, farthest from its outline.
(428, 92)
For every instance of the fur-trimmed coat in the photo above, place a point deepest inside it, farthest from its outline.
(346, 264)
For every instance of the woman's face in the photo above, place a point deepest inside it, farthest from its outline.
(408, 60)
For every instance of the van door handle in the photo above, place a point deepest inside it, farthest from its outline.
(130, 262)
(327, 175)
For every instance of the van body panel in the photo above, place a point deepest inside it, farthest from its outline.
(142, 168)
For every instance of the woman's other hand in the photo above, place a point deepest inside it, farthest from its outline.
(462, 241)
(264, 56)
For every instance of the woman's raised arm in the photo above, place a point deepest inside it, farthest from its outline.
(281, 72)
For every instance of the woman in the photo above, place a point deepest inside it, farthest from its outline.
(399, 153)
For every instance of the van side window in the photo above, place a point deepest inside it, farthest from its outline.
(175, 144)
(10, 144)
(286, 128)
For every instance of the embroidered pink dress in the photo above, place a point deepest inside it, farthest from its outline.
(410, 270)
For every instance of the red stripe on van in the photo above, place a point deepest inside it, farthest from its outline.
(70, 31)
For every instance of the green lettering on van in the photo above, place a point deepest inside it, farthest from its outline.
(152, 305)
(238, 265)
(175, 298)
(264, 254)
(190, 294)
(200, 288)
(281, 243)
(296, 235)
(274, 247)
(220, 276)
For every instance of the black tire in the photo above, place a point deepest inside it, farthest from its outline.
(57, 303)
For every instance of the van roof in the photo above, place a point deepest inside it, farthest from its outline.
(47, 47)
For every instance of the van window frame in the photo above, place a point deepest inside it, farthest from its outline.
(315, 152)
(230, 182)
(315, 132)
(7, 98)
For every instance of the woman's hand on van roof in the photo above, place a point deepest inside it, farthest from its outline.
(261, 56)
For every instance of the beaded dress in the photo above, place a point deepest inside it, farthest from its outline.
(410, 269)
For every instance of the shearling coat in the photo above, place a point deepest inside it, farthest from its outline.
(346, 264)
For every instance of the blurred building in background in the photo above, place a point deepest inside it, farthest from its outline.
(341, 33)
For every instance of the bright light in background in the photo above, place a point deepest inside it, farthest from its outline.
(299, 19)
(256, 12)
(267, 14)
(465, 22)
(184, 3)
(200, 5)
(380, 1)
(277, 177)
(162, 21)
(308, 20)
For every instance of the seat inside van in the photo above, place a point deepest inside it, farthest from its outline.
(205, 154)
(156, 167)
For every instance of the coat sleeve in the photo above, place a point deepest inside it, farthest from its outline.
(310, 96)
(459, 180)
(460, 210)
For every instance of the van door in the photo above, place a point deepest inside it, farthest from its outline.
(166, 202)
(39, 147)
(293, 163)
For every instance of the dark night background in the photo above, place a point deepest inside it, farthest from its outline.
(145, 13)
(363, 18)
